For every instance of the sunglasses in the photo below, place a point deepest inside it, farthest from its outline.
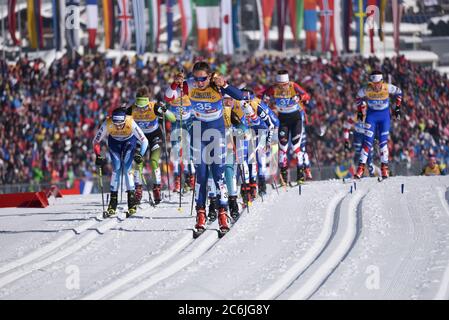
(200, 79)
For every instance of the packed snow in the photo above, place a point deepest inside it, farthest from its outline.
(324, 242)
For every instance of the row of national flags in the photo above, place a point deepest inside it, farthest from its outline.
(137, 23)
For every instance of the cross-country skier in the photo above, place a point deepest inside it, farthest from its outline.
(288, 98)
(205, 92)
(145, 113)
(186, 131)
(123, 133)
(304, 156)
(377, 97)
(358, 128)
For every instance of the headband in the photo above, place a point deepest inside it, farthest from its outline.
(282, 78)
(376, 78)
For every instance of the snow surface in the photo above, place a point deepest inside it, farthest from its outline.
(325, 243)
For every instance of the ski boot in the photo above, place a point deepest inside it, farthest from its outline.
(360, 170)
(308, 173)
(253, 190)
(138, 193)
(157, 193)
(284, 176)
(112, 208)
(213, 208)
(200, 226)
(223, 222)
(177, 187)
(132, 206)
(262, 186)
(384, 170)
(234, 208)
(300, 178)
(245, 193)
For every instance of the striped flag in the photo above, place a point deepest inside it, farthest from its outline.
(124, 18)
(208, 24)
(282, 17)
(235, 22)
(59, 24)
(310, 24)
(382, 4)
(267, 12)
(226, 27)
(139, 25)
(185, 6)
(347, 20)
(154, 7)
(169, 10)
(108, 18)
(327, 24)
(338, 35)
(360, 17)
(299, 16)
(12, 21)
(92, 21)
(34, 24)
(72, 23)
(397, 16)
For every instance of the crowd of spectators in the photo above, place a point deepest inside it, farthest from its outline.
(50, 113)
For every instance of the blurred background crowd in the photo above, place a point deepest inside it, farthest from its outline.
(49, 114)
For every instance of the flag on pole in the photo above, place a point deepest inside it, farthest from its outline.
(310, 24)
(293, 18)
(371, 13)
(169, 10)
(299, 17)
(382, 4)
(154, 7)
(92, 21)
(124, 18)
(267, 13)
(59, 24)
(108, 18)
(12, 21)
(282, 17)
(72, 23)
(397, 16)
(262, 38)
(235, 22)
(347, 20)
(338, 34)
(139, 25)
(226, 27)
(327, 25)
(34, 23)
(208, 23)
(360, 15)
(185, 6)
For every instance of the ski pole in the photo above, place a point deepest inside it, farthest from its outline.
(100, 176)
(146, 185)
(121, 178)
(166, 156)
(181, 173)
(193, 197)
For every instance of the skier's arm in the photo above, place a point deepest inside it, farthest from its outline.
(171, 93)
(138, 133)
(396, 92)
(301, 92)
(101, 134)
(232, 91)
(160, 109)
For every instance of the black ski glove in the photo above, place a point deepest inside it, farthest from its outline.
(138, 158)
(100, 161)
(162, 107)
(347, 147)
(397, 112)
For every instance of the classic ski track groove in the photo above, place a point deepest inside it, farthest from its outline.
(310, 256)
(326, 261)
(201, 246)
(54, 245)
(443, 290)
(28, 264)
